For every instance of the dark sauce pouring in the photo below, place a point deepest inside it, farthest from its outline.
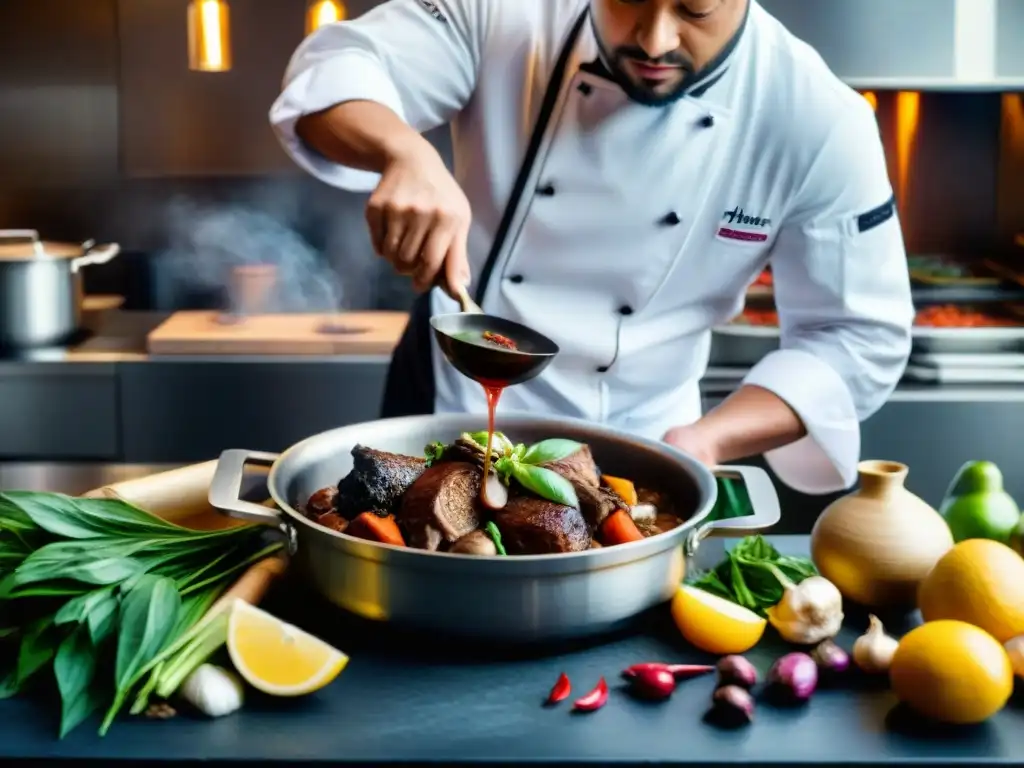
(494, 352)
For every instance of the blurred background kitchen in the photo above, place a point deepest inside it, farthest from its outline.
(143, 123)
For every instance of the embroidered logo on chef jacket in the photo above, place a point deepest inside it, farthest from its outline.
(877, 216)
(434, 11)
(740, 225)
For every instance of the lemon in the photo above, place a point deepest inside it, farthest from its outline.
(980, 582)
(952, 671)
(713, 624)
(277, 658)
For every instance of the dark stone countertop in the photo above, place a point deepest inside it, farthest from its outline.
(406, 699)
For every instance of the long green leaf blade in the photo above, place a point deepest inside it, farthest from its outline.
(75, 667)
(148, 614)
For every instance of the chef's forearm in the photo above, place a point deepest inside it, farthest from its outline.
(360, 134)
(749, 422)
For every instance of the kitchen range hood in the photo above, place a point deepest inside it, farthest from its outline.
(921, 45)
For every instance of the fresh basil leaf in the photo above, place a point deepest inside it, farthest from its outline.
(75, 667)
(554, 449)
(75, 518)
(492, 530)
(546, 484)
(504, 467)
(480, 438)
(519, 451)
(149, 613)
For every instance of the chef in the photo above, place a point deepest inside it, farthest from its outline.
(623, 170)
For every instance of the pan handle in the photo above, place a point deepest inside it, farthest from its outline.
(226, 487)
(763, 499)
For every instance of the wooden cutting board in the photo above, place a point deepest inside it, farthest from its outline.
(342, 333)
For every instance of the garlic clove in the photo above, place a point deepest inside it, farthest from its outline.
(809, 612)
(213, 691)
(874, 650)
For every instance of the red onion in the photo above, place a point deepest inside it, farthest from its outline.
(736, 670)
(732, 706)
(796, 675)
(830, 658)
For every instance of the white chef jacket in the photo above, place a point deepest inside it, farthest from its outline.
(641, 227)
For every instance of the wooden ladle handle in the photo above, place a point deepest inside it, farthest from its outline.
(468, 305)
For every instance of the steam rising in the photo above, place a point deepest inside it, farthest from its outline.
(208, 243)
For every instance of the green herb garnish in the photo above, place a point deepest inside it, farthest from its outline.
(433, 452)
(748, 576)
(100, 592)
(492, 530)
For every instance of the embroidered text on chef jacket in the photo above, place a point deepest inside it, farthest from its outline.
(640, 228)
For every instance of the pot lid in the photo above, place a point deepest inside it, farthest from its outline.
(24, 244)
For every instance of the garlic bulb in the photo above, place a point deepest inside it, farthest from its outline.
(874, 650)
(213, 691)
(809, 612)
(1015, 648)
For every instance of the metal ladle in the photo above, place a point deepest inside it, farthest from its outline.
(460, 336)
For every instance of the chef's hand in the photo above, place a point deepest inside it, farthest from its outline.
(690, 440)
(419, 218)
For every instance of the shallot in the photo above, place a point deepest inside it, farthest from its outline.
(732, 706)
(830, 658)
(736, 670)
(795, 675)
(874, 650)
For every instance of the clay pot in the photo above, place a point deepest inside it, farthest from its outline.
(878, 543)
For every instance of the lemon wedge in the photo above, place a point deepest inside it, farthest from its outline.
(277, 658)
(714, 624)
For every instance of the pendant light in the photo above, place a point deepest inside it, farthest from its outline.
(209, 36)
(320, 12)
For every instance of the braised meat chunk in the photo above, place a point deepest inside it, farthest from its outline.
(377, 482)
(534, 526)
(440, 507)
(596, 503)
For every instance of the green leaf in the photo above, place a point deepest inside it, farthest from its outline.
(554, 449)
(9, 684)
(519, 451)
(75, 667)
(433, 452)
(75, 518)
(37, 648)
(492, 530)
(504, 466)
(77, 609)
(102, 619)
(546, 484)
(148, 614)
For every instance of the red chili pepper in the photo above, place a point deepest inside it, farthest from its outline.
(501, 341)
(593, 700)
(678, 671)
(561, 689)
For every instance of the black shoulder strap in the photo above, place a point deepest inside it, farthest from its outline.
(547, 108)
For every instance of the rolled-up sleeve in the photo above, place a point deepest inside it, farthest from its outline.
(415, 57)
(842, 291)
